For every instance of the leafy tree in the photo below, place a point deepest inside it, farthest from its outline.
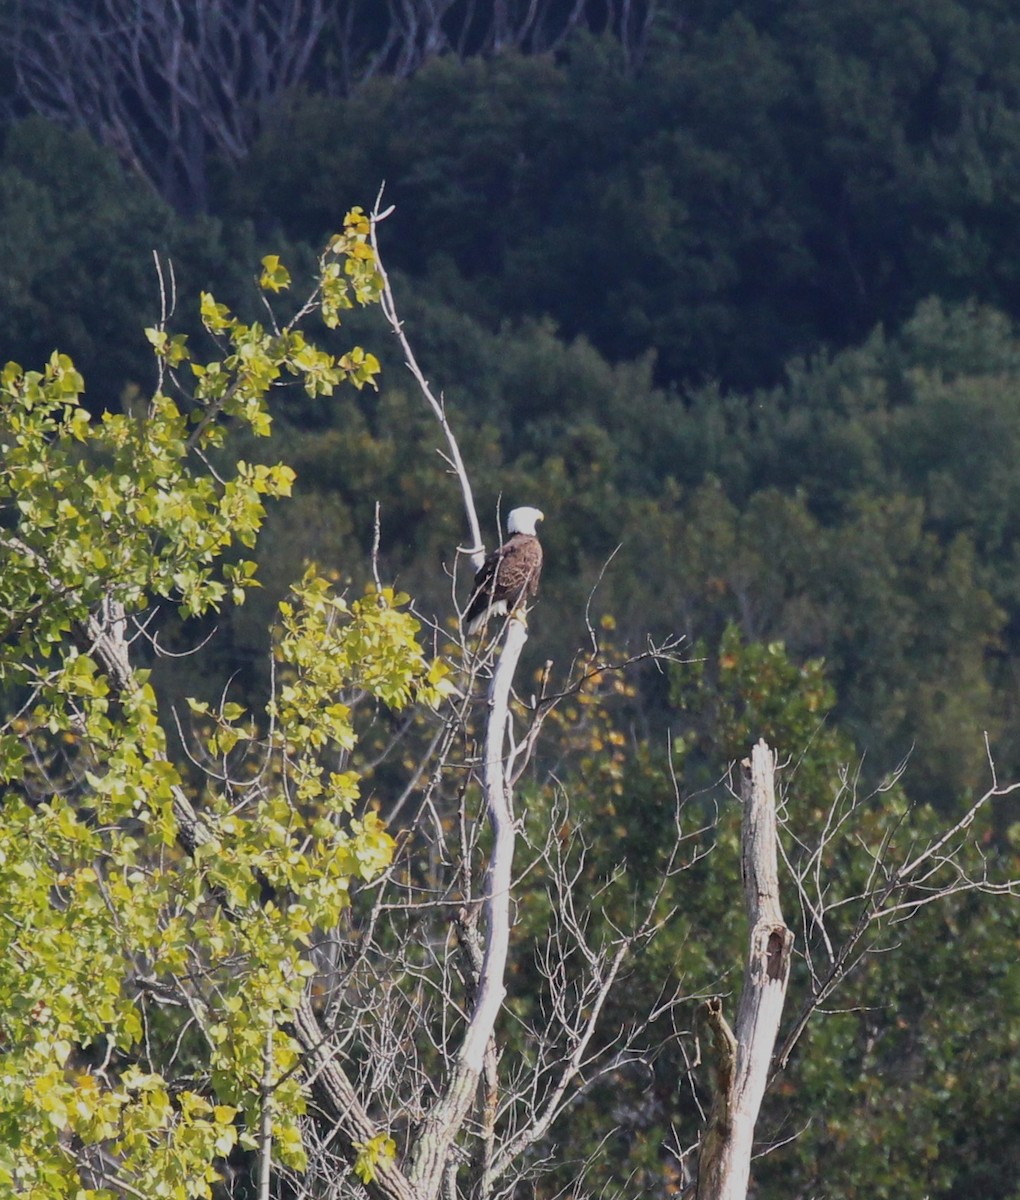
(122, 898)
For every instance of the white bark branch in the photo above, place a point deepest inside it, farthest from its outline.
(438, 406)
(447, 1117)
(266, 1116)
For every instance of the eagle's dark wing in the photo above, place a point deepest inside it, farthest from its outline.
(506, 577)
(483, 591)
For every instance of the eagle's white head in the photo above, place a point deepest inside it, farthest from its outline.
(522, 520)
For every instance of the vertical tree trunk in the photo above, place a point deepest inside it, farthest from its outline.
(432, 1154)
(724, 1165)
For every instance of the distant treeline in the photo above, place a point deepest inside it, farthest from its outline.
(167, 86)
(725, 184)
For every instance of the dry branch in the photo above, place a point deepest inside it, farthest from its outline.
(893, 892)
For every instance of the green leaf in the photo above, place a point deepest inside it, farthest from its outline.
(275, 277)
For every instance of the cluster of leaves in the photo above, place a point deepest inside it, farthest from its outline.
(78, 236)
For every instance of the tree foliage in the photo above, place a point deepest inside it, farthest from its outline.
(771, 178)
(116, 921)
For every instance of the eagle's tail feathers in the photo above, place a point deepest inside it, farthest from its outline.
(497, 609)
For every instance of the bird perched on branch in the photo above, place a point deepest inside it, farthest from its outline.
(509, 576)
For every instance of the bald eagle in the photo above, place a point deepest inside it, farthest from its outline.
(509, 576)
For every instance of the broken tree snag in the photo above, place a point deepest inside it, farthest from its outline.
(766, 975)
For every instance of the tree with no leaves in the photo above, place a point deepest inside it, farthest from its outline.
(168, 87)
(277, 963)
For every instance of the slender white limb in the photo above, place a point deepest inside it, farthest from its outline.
(438, 406)
(497, 887)
(447, 1116)
(266, 1116)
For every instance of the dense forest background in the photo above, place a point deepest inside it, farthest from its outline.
(730, 290)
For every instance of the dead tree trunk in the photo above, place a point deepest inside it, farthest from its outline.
(724, 1165)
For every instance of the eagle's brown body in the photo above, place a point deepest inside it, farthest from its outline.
(509, 576)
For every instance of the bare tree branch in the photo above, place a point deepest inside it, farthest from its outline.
(890, 893)
(477, 549)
